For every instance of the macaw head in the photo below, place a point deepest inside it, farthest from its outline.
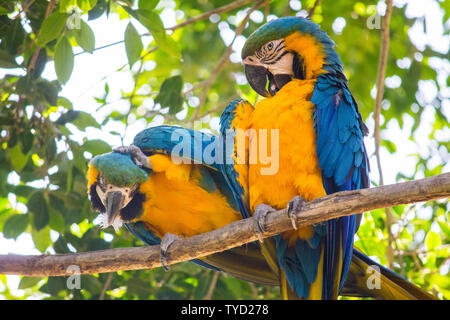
(288, 48)
(113, 186)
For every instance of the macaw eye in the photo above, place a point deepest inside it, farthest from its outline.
(270, 45)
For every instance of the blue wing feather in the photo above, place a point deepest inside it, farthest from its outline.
(227, 166)
(345, 166)
(163, 140)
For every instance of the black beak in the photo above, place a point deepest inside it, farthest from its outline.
(114, 201)
(257, 77)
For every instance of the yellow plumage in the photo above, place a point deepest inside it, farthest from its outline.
(176, 204)
(310, 50)
(291, 113)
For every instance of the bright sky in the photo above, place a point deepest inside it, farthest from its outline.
(91, 71)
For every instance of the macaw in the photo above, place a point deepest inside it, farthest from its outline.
(158, 200)
(143, 188)
(318, 141)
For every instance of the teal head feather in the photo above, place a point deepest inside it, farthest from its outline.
(283, 27)
(119, 169)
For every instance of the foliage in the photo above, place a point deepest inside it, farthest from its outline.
(43, 160)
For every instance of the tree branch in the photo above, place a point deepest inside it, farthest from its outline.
(206, 15)
(313, 8)
(384, 50)
(32, 65)
(232, 235)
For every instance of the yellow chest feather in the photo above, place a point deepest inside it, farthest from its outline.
(289, 112)
(176, 204)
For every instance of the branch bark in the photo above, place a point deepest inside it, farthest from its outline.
(233, 235)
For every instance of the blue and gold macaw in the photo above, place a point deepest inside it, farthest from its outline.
(140, 186)
(146, 188)
(311, 126)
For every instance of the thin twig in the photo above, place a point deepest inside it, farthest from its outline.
(287, 9)
(24, 9)
(212, 286)
(206, 15)
(313, 9)
(222, 62)
(384, 50)
(266, 9)
(31, 66)
(106, 286)
(232, 235)
(200, 17)
(254, 290)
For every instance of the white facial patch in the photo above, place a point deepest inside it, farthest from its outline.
(282, 66)
(127, 194)
(103, 222)
(274, 57)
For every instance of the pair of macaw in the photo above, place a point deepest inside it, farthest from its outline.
(315, 130)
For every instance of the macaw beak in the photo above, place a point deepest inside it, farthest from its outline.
(114, 202)
(257, 77)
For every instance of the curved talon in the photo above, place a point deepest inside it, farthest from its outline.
(136, 154)
(167, 240)
(293, 207)
(260, 216)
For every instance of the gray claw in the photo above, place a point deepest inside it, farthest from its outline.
(167, 240)
(138, 156)
(260, 216)
(293, 207)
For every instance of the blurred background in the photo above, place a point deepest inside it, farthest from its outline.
(80, 76)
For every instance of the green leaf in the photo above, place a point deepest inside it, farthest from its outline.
(84, 120)
(67, 5)
(445, 228)
(155, 26)
(15, 225)
(133, 44)
(64, 60)
(170, 94)
(85, 37)
(91, 283)
(50, 89)
(7, 60)
(26, 140)
(390, 146)
(86, 5)
(96, 147)
(147, 4)
(28, 282)
(168, 45)
(432, 240)
(41, 239)
(56, 221)
(64, 102)
(38, 205)
(54, 285)
(18, 159)
(98, 10)
(151, 21)
(51, 27)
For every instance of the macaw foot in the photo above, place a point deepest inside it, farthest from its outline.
(260, 216)
(167, 240)
(293, 207)
(136, 154)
